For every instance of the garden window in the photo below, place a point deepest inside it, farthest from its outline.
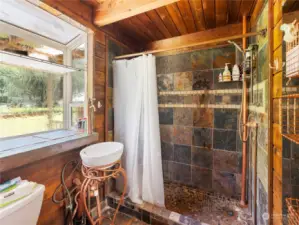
(43, 73)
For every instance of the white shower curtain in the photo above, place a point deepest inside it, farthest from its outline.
(136, 125)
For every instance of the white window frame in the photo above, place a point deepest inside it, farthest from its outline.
(67, 60)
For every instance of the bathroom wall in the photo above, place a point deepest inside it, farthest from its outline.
(290, 150)
(258, 112)
(199, 131)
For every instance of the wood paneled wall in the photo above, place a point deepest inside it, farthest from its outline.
(276, 135)
(46, 172)
(100, 77)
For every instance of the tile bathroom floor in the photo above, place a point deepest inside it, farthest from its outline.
(210, 208)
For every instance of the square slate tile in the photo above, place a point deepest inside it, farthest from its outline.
(224, 55)
(295, 151)
(202, 157)
(203, 117)
(203, 99)
(167, 167)
(225, 183)
(263, 63)
(183, 81)
(226, 161)
(228, 99)
(167, 151)
(182, 154)
(224, 139)
(165, 82)
(202, 177)
(201, 60)
(183, 116)
(202, 137)
(173, 63)
(203, 80)
(182, 173)
(295, 172)
(226, 118)
(286, 171)
(286, 148)
(166, 133)
(182, 135)
(166, 115)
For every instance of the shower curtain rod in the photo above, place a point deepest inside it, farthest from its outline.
(218, 40)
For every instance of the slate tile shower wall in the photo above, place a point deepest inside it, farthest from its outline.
(258, 112)
(199, 132)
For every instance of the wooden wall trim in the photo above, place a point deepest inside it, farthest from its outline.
(270, 111)
(221, 32)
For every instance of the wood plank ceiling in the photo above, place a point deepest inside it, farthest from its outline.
(180, 18)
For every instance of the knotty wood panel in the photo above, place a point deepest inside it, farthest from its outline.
(153, 15)
(109, 11)
(147, 22)
(176, 16)
(197, 9)
(164, 15)
(277, 85)
(221, 12)
(187, 15)
(234, 9)
(277, 35)
(183, 17)
(46, 172)
(225, 31)
(209, 12)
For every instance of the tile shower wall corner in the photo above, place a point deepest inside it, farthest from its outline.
(200, 146)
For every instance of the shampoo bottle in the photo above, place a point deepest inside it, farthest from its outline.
(226, 73)
(236, 73)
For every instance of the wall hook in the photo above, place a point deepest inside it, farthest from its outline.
(276, 65)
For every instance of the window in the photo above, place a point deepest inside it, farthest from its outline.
(42, 80)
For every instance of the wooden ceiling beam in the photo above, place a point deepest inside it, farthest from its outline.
(110, 11)
(202, 36)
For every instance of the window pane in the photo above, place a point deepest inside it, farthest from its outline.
(30, 101)
(77, 113)
(12, 43)
(78, 86)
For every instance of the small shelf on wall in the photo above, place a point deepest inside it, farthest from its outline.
(289, 117)
(9, 58)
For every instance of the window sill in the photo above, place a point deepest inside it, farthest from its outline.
(41, 146)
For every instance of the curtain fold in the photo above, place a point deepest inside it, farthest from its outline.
(136, 125)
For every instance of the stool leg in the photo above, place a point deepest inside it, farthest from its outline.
(121, 200)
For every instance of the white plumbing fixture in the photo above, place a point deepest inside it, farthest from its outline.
(101, 154)
(24, 211)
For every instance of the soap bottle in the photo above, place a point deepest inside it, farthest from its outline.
(220, 78)
(226, 74)
(236, 73)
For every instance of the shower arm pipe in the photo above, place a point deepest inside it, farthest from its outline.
(244, 119)
(214, 41)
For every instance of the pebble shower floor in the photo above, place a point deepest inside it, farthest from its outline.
(207, 207)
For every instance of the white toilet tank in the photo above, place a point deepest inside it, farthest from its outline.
(24, 211)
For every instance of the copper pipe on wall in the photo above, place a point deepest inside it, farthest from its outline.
(244, 109)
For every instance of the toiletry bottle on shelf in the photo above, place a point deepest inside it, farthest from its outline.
(236, 73)
(220, 78)
(226, 74)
